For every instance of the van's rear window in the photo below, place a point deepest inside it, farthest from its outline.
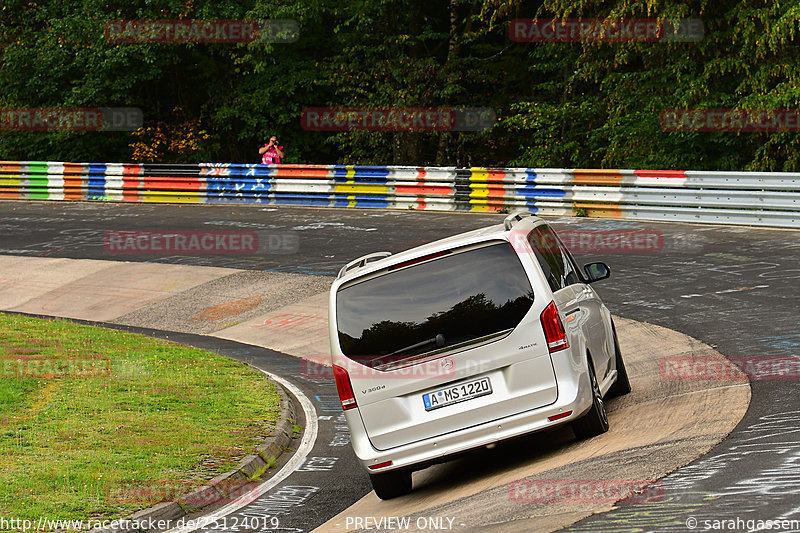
(431, 306)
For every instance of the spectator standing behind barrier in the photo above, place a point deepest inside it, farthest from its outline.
(271, 153)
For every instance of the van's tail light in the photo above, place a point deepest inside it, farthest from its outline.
(344, 387)
(554, 331)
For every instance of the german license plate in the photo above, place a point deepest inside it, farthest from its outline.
(457, 393)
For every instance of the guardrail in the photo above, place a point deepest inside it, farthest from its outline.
(745, 198)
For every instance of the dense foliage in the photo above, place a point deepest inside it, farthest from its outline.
(558, 104)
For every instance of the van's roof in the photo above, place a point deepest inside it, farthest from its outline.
(375, 262)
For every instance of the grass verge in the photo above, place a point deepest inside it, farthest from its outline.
(97, 423)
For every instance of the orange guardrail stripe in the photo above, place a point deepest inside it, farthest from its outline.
(584, 176)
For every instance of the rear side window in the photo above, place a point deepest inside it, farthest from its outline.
(460, 298)
(552, 257)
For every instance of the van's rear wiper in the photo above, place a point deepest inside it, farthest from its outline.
(438, 339)
(399, 362)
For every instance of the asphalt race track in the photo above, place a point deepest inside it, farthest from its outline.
(730, 287)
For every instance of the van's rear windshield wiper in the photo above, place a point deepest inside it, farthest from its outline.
(438, 340)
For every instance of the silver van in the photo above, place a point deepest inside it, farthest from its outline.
(467, 341)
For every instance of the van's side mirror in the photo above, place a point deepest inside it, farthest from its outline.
(596, 271)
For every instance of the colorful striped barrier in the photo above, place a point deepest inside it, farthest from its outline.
(746, 198)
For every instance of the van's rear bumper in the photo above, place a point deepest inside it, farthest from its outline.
(574, 394)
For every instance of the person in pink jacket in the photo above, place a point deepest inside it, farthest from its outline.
(271, 152)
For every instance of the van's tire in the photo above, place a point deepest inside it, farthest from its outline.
(622, 386)
(391, 484)
(594, 422)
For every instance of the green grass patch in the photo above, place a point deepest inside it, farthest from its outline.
(97, 423)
